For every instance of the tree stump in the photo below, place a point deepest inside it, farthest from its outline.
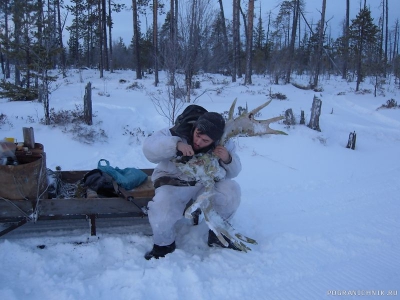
(315, 113)
(289, 117)
(87, 104)
(302, 119)
(351, 143)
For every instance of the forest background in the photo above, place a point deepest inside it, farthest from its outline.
(194, 37)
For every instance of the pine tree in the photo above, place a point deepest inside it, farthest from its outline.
(259, 59)
(363, 34)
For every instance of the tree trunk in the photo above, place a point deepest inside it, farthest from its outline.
(296, 9)
(76, 38)
(396, 40)
(315, 113)
(17, 39)
(381, 23)
(87, 104)
(100, 32)
(60, 39)
(239, 47)
(155, 41)
(249, 43)
(6, 40)
(386, 38)
(192, 49)
(302, 119)
(136, 40)
(109, 22)
(289, 117)
(320, 43)
(225, 36)
(346, 41)
(351, 143)
(359, 58)
(104, 28)
(235, 39)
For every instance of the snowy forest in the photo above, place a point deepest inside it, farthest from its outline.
(194, 37)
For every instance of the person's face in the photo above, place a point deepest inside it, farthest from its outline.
(200, 140)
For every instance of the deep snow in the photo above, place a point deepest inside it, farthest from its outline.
(326, 218)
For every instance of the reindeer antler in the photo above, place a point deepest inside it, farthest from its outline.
(246, 125)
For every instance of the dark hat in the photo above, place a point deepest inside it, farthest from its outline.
(185, 121)
(212, 124)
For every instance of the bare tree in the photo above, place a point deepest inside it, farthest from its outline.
(195, 19)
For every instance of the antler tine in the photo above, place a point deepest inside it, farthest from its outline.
(232, 109)
(257, 109)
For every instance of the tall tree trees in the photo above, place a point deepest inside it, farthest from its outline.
(207, 41)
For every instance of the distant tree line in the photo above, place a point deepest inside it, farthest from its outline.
(195, 37)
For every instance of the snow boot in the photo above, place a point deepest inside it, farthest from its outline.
(213, 241)
(160, 251)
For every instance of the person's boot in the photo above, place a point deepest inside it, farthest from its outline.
(160, 251)
(213, 241)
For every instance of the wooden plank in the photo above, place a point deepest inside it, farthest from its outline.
(85, 206)
(76, 206)
(145, 190)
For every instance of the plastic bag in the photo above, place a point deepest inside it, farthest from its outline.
(128, 178)
(7, 153)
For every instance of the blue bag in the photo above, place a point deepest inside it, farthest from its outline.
(128, 178)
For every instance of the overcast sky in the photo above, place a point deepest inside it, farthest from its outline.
(335, 13)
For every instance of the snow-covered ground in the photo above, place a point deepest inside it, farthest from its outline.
(326, 218)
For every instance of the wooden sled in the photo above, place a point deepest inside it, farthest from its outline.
(126, 203)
